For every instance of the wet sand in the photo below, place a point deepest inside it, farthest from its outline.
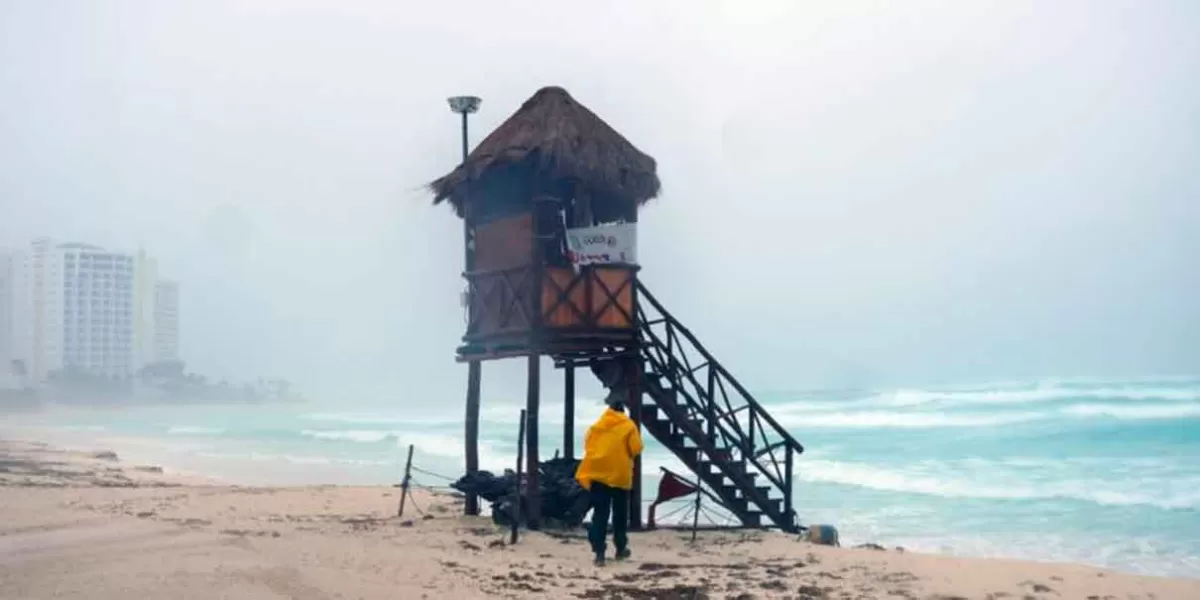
(86, 525)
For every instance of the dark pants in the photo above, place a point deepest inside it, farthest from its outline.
(607, 499)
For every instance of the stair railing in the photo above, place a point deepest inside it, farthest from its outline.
(737, 418)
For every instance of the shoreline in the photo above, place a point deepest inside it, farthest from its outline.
(199, 449)
(85, 524)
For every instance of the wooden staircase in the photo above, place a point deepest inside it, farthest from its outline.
(698, 410)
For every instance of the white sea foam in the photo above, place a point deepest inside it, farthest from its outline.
(88, 428)
(903, 420)
(381, 418)
(1134, 411)
(1171, 493)
(586, 408)
(358, 435)
(440, 445)
(999, 394)
(447, 449)
(1044, 393)
(188, 430)
(295, 459)
(493, 412)
(355, 418)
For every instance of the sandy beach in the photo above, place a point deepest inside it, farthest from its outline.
(87, 525)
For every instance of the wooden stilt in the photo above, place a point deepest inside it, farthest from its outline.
(516, 508)
(569, 412)
(532, 458)
(635, 410)
(472, 431)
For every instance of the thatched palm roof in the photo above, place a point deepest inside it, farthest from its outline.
(556, 140)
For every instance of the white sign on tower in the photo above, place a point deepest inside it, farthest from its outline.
(603, 244)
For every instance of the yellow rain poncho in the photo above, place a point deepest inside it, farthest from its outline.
(608, 451)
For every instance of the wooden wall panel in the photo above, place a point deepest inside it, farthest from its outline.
(562, 315)
(504, 243)
(603, 312)
(609, 315)
(502, 301)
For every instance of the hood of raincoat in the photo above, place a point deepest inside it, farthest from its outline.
(612, 420)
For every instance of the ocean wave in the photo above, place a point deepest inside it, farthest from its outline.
(89, 428)
(444, 447)
(999, 394)
(499, 413)
(904, 420)
(380, 418)
(295, 459)
(439, 447)
(188, 430)
(929, 419)
(1034, 395)
(1134, 411)
(365, 436)
(356, 418)
(586, 408)
(1168, 493)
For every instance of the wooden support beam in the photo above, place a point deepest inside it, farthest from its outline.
(635, 410)
(788, 509)
(472, 431)
(569, 412)
(533, 466)
(516, 507)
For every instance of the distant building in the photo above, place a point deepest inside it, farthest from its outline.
(166, 321)
(81, 308)
(9, 379)
(37, 297)
(73, 310)
(144, 309)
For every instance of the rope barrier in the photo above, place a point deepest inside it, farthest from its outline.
(432, 474)
(432, 488)
(437, 488)
(413, 500)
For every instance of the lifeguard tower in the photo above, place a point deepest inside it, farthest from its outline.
(550, 205)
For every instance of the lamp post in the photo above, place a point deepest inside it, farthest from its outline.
(465, 105)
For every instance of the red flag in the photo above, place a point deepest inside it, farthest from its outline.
(670, 487)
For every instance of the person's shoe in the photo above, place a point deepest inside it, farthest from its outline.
(599, 562)
(623, 554)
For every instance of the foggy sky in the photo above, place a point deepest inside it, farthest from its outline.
(855, 193)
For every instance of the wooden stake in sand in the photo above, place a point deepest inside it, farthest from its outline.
(516, 516)
(404, 483)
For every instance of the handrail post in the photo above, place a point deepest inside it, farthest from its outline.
(569, 411)
(712, 401)
(635, 409)
(753, 417)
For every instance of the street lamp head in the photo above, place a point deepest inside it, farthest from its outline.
(464, 104)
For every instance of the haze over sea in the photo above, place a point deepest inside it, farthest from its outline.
(1105, 472)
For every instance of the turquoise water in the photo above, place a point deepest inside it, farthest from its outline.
(1105, 472)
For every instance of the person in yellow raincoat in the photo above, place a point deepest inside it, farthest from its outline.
(606, 471)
